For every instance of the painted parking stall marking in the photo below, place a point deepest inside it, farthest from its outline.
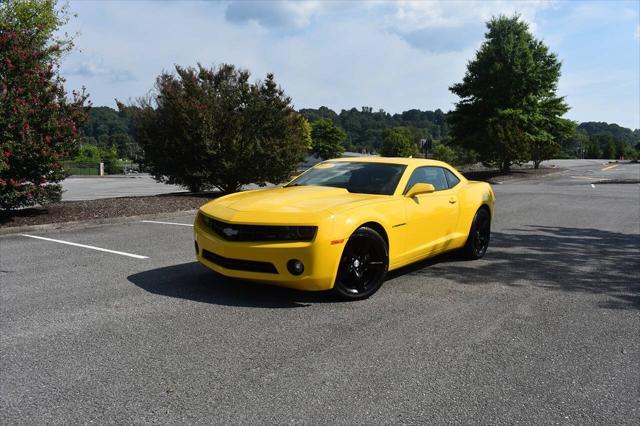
(166, 223)
(121, 253)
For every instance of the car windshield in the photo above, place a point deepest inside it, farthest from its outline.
(358, 177)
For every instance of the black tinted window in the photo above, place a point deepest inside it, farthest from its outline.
(451, 178)
(359, 177)
(433, 175)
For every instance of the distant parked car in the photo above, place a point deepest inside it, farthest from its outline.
(344, 223)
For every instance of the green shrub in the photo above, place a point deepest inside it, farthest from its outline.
(398, 142)
(444, 153)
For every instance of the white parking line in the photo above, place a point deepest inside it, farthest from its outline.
(166, 223)
(121, 253)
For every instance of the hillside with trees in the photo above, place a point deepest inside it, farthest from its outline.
(365, 128)
(107, 128)
(628, 136)
(601, 140)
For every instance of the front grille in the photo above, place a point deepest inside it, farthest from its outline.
(254, 233)
(239, 264)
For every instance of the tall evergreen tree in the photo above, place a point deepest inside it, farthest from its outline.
(509, 111)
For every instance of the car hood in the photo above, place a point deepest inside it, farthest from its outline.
(302, 204)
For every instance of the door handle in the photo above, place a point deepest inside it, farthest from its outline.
(452, 200)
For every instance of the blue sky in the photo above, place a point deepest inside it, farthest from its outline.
(390, 55)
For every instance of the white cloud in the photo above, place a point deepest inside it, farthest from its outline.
(415, 15)
(394, 56)
(273, 13)
(91, 66)
(454, 25)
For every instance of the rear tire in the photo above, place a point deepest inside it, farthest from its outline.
(363, 265)
(479, 236)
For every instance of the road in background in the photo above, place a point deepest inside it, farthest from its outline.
(587, 170)
(91, 188)
(544, 329)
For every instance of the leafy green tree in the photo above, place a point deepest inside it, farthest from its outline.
(38, 122)
(88, 154)
(364, 128)
(327, 139)
(574, 145)
(590, 128)
(110, 159)
(39, 21)
(444, 153)
(104, 120)
(124, 144)
(592, 149)
(104, 141)
(212, 127)
(508, 110)
(398, 143)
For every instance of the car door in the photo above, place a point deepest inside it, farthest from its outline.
(431, 218)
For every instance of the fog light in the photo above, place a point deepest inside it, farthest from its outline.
(295, 267)
(197, 248)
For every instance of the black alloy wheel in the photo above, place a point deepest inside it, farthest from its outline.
(363, 265)
(479, 236)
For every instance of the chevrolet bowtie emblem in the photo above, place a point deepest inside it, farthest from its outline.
(230, 232)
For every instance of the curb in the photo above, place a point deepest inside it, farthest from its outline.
(89, 223)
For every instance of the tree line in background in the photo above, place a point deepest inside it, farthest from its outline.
(365, 128)
(213, 127)
(109, 127)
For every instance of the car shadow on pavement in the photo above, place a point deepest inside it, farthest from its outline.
(193, 281)
(554, 258)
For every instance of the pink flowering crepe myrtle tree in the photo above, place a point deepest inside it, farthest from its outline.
(38, 122)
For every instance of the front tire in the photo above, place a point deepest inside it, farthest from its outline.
(479, 236)
(363, 265)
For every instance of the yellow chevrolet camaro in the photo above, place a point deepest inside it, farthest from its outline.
(344, 223)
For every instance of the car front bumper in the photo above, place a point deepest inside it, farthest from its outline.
(267, 261)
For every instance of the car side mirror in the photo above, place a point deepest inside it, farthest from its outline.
(420, 188)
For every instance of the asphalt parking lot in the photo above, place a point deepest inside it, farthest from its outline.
(77, 188)
(544, 329)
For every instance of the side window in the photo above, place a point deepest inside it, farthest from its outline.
(451, 178)
(433, 175)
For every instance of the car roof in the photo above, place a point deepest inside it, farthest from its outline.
(392, 160)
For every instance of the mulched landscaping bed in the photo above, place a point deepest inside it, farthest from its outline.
(73, 211)
(495, 177)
